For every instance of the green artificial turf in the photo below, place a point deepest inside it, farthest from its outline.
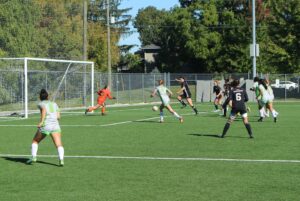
(157, 161)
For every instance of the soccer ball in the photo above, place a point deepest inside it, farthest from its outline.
(154, 108)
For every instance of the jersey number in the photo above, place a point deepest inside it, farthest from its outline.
(238, 96)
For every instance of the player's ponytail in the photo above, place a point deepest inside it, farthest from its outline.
(264, 83)
(43, 95)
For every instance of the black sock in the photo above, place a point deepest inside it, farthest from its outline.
(216, 106)
(226, 127)
(248, 127)
(182, 102)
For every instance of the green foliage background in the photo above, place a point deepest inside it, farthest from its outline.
(199, 36)
(214, 36)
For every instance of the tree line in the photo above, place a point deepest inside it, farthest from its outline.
(54, 29)
(197, 36)
(215, 35)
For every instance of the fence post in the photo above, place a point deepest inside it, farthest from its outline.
(143, 87)
(117, 82)
(285, 88)
(129, 80)
(25, 88)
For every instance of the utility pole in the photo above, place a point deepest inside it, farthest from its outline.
(84, 48)
(254, 37)
(108, 44)
(84, 30)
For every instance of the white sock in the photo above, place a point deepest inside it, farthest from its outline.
(161, 116)
(266, 112)
(34, 149)
(274, 113)
(61, 152)
(262, 112)
(176, 115)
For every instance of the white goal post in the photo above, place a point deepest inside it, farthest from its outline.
(69, 82)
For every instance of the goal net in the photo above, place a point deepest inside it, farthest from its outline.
(69, 83)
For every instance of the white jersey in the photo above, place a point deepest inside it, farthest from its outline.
(267, 94)
(51, 122)
(163, 93)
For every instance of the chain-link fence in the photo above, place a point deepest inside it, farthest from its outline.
(128, 88)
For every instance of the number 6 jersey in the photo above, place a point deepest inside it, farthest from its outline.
(238, 96)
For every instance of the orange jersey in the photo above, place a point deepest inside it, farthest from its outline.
(103, 94)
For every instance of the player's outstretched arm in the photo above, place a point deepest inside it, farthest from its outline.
(153, 93)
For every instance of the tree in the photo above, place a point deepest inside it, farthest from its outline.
(97, 31)
(284, 31)
(149, 22)
(18, 35)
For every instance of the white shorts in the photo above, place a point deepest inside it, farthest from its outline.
(50, 128)
(165, 100)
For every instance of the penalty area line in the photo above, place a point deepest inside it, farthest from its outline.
(95, 125)
(161, 158)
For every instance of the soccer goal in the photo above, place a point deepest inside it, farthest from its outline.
(69, 83)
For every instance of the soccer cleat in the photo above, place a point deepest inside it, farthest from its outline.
(221, 136)
(275, 119)
(31, 161)
(260, 119)
(61, 163)
(103, 114)
(251, 137)
(86, 111)
(196, 111)
(181, 120)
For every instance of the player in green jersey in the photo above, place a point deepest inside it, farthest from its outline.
(48, 125)
(163, 93)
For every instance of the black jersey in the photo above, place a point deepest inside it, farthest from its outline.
(217, 89)
(186, 89)
(239, 97)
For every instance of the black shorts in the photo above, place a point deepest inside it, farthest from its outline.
(235, 111)
(186, 95)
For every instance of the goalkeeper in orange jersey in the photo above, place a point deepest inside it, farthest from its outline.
(103, 94)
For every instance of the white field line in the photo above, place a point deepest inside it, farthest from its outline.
(82, 112)
(94, 125)
(162, 158)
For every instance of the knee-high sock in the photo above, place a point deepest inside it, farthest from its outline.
(216, 106)
(61, 152)
(262, 112)
(161, 114)
(248, 127)
(103, 110)
(176, 115)
(226, 127)
(274, 113)
(34, 149)
(182, 102)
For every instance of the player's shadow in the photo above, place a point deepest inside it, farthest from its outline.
(215, 135)
(205, 135)
(24, 160)
(146, 121)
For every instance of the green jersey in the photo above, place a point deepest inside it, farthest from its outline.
(51, 112)
(163, 93)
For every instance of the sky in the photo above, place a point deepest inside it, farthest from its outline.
(136, 5)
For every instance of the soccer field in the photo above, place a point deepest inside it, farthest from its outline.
(127, 155)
